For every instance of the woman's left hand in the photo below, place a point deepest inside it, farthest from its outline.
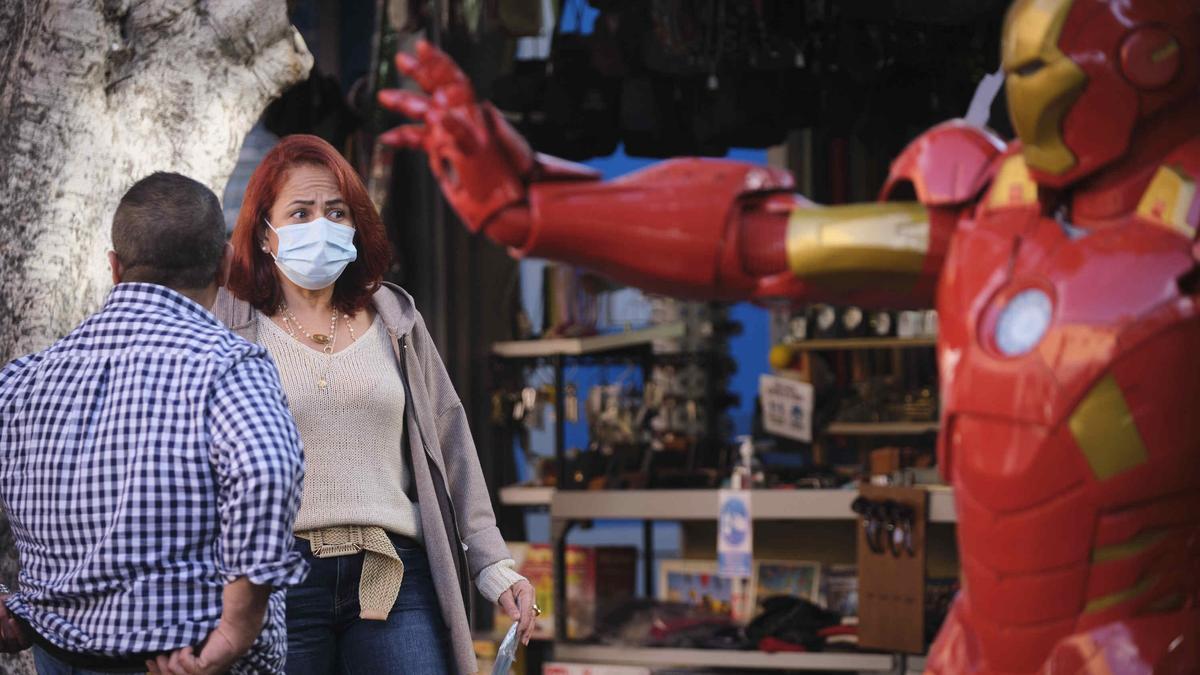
(517, 602)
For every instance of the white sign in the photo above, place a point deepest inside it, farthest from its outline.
(735, 535)
(787, 407)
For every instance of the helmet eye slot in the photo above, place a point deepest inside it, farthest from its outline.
(1030, 67)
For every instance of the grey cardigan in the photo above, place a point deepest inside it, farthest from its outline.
(459, 527)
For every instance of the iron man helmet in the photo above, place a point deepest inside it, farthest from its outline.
(1082, 76)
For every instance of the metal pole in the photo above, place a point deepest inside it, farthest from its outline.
(558, 539)
(560, 422)
(648, 549)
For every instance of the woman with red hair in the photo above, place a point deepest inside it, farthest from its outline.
(395, 519)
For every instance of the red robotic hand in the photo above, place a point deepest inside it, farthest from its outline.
(481, 163)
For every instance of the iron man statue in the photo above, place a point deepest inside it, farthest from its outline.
(1065, 270)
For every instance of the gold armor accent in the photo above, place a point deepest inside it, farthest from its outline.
(1139, 543)
(1103, 427)
(858, 244)
(1041, 81)
(1013, 186)
(1105, 601)
(1168, 199)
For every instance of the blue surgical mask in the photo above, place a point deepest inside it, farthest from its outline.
(314, 254)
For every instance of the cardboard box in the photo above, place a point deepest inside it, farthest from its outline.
(797, 578)
(696, 582)
(599, 579)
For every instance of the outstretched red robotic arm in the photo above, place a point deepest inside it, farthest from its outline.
(702, 228)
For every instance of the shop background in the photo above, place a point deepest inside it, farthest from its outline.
(630, 307)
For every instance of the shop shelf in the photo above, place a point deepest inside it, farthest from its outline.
(882, 428)
(702, 504)
(915, 665)
(712, 658)
(526, 495)
(863, 343)
(586, 345)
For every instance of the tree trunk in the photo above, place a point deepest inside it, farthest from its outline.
(95, 94)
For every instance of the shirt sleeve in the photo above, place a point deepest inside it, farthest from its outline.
(497, 578)
(259, 465)
(9, 377)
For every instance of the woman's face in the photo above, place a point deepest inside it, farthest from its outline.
(308, 192)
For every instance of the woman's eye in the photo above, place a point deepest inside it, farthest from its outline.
(298, 213)
(337, 214)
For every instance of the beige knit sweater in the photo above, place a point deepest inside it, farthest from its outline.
(354, 473)
(353, 470)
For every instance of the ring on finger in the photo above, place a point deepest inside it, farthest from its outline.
(537, 611)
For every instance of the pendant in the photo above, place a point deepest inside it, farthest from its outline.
(320, 339)
(322, 383)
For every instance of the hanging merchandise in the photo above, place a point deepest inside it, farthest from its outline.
(533, 405)
(518, 18)
(580, 101)
(748, 67)
(613, 41)
(564, 105)
(570, 301)
(657, 118)
(408, 16)
(315, 106)
(674, 44)
(571, 404)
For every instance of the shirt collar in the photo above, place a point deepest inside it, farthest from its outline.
(154, 297)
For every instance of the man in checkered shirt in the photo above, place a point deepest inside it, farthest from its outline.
(150, 468)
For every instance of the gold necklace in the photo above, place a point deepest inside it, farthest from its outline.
(328, 342)
(290, 320)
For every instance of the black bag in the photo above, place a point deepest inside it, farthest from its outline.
(791, 619)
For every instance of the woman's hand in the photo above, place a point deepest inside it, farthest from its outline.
(517, 602)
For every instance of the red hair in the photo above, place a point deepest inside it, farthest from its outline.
(252, 275)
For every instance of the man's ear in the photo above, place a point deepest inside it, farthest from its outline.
(226, 264)
(115, 265)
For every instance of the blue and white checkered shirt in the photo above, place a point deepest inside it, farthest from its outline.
(146, 459)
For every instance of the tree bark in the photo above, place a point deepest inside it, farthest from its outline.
(94, 95)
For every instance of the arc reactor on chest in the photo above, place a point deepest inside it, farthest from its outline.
(1023, 322)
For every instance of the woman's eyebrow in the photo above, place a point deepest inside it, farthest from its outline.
(310, 202)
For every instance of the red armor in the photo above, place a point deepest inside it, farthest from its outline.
(1066, 277)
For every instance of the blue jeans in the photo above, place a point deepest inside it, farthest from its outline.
(325, 634)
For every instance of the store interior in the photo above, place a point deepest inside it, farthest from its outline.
(610, 421)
